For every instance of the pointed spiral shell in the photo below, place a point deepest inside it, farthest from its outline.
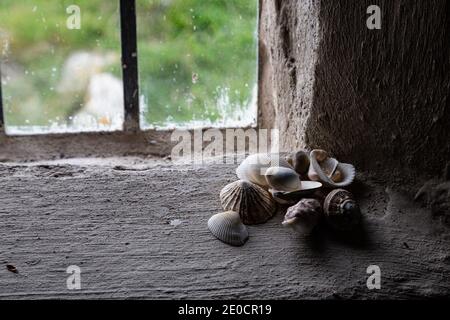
(341, 210)
(303, 216)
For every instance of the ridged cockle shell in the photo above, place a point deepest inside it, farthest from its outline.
(228, 227)
(253, 203)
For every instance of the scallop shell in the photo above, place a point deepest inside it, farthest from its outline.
(252, 169)
(283, 179)
(329, 171)
(254, 204)
(299, 161)
(341, 210)
(228, 227)
(304, 216)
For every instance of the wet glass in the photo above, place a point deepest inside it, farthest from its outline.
(60, 66)
(197, 63)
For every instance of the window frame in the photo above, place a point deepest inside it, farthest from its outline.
(128, 30)
(1, 103)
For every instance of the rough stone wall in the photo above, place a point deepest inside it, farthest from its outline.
(289, 37)
(376, 98)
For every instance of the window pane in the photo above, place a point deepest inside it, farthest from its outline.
(60, 65)
(197, 62)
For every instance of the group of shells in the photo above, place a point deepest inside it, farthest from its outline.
(310, 183)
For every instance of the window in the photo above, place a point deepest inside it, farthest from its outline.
(197, 62)
(184, 63)
(58, 77)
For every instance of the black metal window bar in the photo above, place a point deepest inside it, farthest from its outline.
(129, 63)
(129, 67)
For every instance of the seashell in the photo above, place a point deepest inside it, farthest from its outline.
(283, 179)
(320, 154)
(253, 168)
(299, 161)
(304, 216)
(329, 171)
(341, 210)
(228, 227)
(254, 204)
(337, 176)
(308, 188)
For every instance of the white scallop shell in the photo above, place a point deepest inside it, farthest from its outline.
(323, 170)
(283, 179)
(253, 168)
(228, 227)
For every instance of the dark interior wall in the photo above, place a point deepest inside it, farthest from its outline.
(379, 97)
(382, 95)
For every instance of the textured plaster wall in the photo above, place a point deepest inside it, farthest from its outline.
(289, 38)
(377, 98)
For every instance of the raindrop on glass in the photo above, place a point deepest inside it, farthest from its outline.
(194, 78)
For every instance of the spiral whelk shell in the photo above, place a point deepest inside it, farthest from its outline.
(228, 227)
(341, 210)
(254, 204)
(253, 168)
(330, 171)
(303, 216)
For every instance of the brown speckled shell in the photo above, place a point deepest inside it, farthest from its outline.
(299, 161)
(334, 211)
(254, 204)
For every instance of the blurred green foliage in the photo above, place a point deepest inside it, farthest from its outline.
(182, 40)
(38, 43)
(191, 52)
